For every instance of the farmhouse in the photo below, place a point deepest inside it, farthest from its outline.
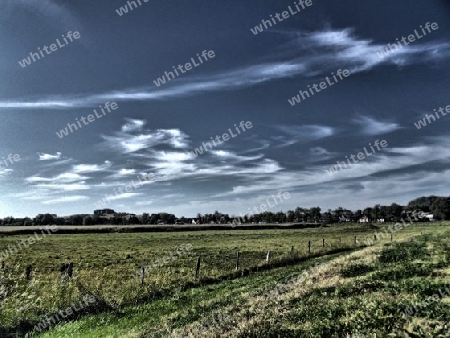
(104, 212)
(428, 216)
(364, 219)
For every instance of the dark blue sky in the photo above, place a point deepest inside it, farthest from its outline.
(289, 148)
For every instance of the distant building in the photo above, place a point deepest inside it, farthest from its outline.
(427, 215)
(364, 219)
(104, 212)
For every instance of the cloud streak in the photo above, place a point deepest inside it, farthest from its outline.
(320, 52)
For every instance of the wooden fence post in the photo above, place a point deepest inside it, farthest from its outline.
(355, 239)
(323, 242)
(197, 270)
(237, 262)
(268, 257)
(62, 269)
(70, 270)
(309, 246)
(28, 273)
(142, 275)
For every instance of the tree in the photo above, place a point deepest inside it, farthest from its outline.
(375, 211)
(145, 218)
(290, 216)
(395, 211)
(315, 213)
(87, 220)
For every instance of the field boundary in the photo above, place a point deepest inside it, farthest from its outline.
(70, 229)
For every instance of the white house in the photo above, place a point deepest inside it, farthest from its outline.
(427, 215)
(343, 219)
(364, 219)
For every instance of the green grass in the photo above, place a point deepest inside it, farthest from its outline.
(104, 264)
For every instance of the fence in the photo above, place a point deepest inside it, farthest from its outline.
(267, 259)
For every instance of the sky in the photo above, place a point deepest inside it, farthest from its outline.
(154, 130)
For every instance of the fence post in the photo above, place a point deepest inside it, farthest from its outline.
(63, 269)
(355, 239)
(323, 242)
(197, 270)
(237, 261)
(268, 257)
(309, 246)
(28, 273)
(70, 270)
(142, 275)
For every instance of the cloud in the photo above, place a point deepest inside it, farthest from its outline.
(123, 196)
(133, 125)
(4, 172)
(159, 150)
(370, 126)
(393, 165)
(173, 156)
(301, 133)
(66, 199)
(143, 203)
(132, 140)
(64, 187)
(333, 49)
(90, 168)
(126, 172)
(63, 178)
(320, 154)
(67, 181)
(49, 157)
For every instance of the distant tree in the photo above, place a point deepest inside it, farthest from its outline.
(396, 211)
(375, 212)
(45, 219)
(87, 220)
(290, 216)
(315, 213)
(441, 208)
(145, 219)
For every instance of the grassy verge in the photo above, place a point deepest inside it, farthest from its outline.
(365, 293)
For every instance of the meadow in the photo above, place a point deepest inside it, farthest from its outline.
(358, 291)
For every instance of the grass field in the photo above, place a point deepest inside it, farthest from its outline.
(360, 291)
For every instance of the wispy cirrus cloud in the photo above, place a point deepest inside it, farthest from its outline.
(4, 172)
(301, 133)
(371, 126)
(66, 199)
(134, 140)
(163, 152)
(394, 165)
(123, 196)
(90, 168)
(332, 49)
(49, 157)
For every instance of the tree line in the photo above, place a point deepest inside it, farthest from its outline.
(438, 206)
